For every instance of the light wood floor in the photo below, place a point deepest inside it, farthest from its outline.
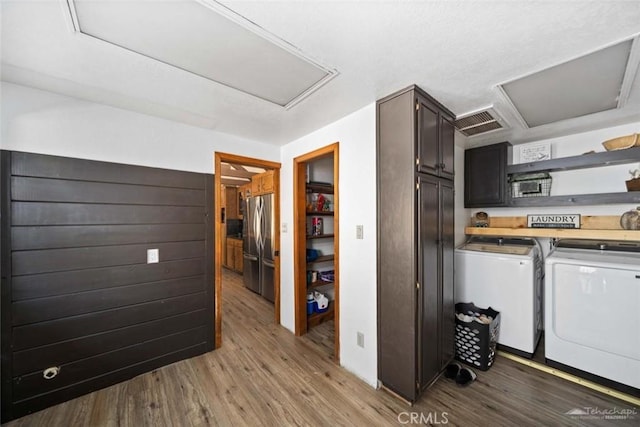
(263, 375)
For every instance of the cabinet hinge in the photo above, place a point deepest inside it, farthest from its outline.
(418, 185)
(417, 161)
(417, 105)
(417, 285)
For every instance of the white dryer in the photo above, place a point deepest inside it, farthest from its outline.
(592, 310)
(506, 275)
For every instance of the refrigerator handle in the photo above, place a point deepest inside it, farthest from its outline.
(257, 220)
(263, 228)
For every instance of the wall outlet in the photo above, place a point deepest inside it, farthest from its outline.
(284, 227)
(359, 232)
(153, 256)
(360, 339)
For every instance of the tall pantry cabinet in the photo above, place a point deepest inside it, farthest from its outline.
(415, 241)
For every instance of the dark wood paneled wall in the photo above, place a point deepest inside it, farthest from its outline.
(77, 292)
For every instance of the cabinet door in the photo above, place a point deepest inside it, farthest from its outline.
(230, 254)
(485, 178)
(447, 131)
(267, 182)
(427, 150)
(255, 185)
(232, 202)
(238, 257)
(429, 292)
(447, 246)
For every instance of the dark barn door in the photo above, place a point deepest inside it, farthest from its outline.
(78, 294)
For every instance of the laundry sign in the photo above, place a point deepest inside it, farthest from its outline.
(554, 221)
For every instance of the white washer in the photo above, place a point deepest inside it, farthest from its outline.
(506, 275)
(592, 309)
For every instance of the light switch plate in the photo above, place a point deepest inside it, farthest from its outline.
(153, 256)
(360, 339)
(359, 232)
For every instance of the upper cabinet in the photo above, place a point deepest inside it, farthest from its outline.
(485, 176)
(262, 183)
(435, 151)
(231, 202)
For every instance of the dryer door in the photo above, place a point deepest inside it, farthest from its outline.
(597, 307)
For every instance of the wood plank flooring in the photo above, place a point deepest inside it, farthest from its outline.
(264, 375)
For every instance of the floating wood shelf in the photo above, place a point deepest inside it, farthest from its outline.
(577, 199)
(632, 235)
(584, 161)
(322, 236)
(606, 227)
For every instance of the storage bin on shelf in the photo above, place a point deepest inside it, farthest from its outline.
(327, 275)
(475, 341)
(530, 185)
(321, 302)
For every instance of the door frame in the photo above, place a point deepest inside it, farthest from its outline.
(299, 239)
(219, 158)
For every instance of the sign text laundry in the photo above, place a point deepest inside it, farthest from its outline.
(553, 221)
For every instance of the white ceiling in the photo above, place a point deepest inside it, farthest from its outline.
(458, 51)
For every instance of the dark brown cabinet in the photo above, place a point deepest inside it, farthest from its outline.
(435, 254)
(485, 176)
(415, 241)
(435, 137)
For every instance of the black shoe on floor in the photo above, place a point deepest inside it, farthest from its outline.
(452, 370)
(465, 377)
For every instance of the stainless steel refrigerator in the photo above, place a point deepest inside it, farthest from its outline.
(258, 250)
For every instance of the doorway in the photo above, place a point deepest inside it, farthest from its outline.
(231, 162)
(316, 237)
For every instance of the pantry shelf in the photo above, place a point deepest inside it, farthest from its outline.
(318, 284)
(323, 258)
(321, 236)
(320, 213)
(317, 318)
(319, 188)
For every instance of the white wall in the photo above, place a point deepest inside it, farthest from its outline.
(43, 122)
(609, 179)
(357, 172)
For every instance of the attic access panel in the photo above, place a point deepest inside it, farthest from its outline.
(207, 39)
(585, 85)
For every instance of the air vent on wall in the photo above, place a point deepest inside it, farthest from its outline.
(478, 122)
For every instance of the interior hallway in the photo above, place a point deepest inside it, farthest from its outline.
(264, 375)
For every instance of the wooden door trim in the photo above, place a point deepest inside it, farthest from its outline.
(299, 239)
(219, 158)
